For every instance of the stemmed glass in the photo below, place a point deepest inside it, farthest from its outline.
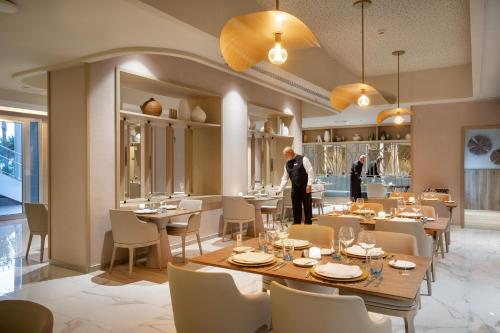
(416, 208)
(360, 202)
(401, 205)
(346, 236)
(366, 240)
(272, 234)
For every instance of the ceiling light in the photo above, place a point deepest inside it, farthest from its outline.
(278, 54)
(7, 7)
(398, 120)
(363, 100)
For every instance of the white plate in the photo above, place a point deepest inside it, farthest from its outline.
(241, 249)
(169, 207)
(338, 271)
(252, 258)
(145, 211)
(249, 196)
(409, 214)
(402, 264)
(361, 252)
(305, 262)
(297, 243)
(327, 252)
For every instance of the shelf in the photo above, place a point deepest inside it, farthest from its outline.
(350, 142)
(258, 134)
(139, 117)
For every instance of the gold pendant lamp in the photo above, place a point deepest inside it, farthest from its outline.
(248, 39)
(398, 112)
(359, 93)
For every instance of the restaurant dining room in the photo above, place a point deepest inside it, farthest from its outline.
(223, 166)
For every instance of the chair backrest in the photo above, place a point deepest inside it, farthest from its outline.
(325, 313)
(404, 195)
(190, 204)
(336, 222)
(25, 316)
(375, 190)
(427, 211)
(318, 195)
(369, 205)
(424, 242)
(316, 234)
(37, 216)
(194, 295)
(388, 203)
(237, 208)
(436, 195)
(128, 229)
(439, 207)
(396, 242)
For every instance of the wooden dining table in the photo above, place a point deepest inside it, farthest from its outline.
(161, 219)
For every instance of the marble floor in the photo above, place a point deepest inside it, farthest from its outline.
(466, 294)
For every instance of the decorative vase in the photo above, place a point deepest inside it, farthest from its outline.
(151, 107)
(318, 139)
(408, 136)
(172, 113)
(338, 139)
(198, 115)
(356, 137)
(398, 136)
(285, 131)
(184, 110)
(326, 136)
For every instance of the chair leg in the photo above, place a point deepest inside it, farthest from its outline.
(429, 282)
(224, 231)
(183, 248)
(199, 242)
(113, 256)
(447, 240)
(409, 324)
(29, 245)
(433, 271)
(158, 252)
(441, 244)
(130, 261)
(42, 247)
(241, 229)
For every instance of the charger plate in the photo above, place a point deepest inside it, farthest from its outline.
(231, 261)
(362, 277)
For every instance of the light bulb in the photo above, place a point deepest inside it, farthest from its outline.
(277, 55)
(398, 120)
(363, 100)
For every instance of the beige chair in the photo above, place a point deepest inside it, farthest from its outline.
(274, 211)
(427, 211)
(369, 205)
(405, 195)
(442, 211)
(375, 191)
(336, 222)
(287, 204)
(19, 316)
(396, 242)
(211, 303)
(318, 201)
(322, 313)
(38, 223)
(186, 225)
(425, 243)
(388, 203)
(237, 210)
(131, 233)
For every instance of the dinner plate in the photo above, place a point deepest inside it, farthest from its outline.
(297, 243)
(253, 258)
(241, 249)
(249, 196)
(409, 214)
(402, 264)
(355, 255)
(145, 211)
(327, 252)
(168, 207)
(230, 260)
(362, 277)
(305, 262)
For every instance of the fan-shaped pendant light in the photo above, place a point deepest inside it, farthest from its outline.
(398, 112)
(248, 39)
(343, 96)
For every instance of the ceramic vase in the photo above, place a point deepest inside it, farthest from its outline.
(408, 136)
(318, 139)
(198, 115)
(326, 136)
(151, 107)
(184, 110)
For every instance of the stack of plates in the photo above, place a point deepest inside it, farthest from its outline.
(241, 249)
(298, 244)
(145, 211)
(252, 259)
(358, 252)
(339, 272)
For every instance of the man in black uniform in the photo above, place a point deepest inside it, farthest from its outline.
(356, 169)
(299, 170)
(373, 169)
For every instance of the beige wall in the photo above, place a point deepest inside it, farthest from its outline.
(437, 144)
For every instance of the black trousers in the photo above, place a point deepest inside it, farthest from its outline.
(301, 198)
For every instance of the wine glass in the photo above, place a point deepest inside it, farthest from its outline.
(263, 241)
(401, 205)
(360, 202)
(346, 236)
(416, 208)
(272, 234)
(366, 240)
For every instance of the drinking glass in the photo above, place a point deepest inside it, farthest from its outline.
(404, 271)
(263, 241)
(394, 212)
(376, 266)
(401, 205)
(366, 240)
(336, 250)
(239, 239)
(416, 208)
(360, 202)
(271, 237)
(288, 248)
(346, 236)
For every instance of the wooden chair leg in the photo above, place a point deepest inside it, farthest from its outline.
(429, 282)
(29, 245)
(130, 261)
(433, 271)
(42, 247)
(158, 252)
(113, 256)
(199, 242)
(183, 248)
(409, 324)
(441, 244)
(224, 231)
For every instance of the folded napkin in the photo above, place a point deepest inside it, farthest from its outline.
(359, 251)
(253, 257)
(338, 270)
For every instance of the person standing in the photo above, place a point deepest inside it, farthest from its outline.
(374, 169)
(356, 170)
(299, 170)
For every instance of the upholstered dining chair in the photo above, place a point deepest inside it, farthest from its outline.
(375, 191)
(25, 316)
(396, 242)
(131, 233)
(425, 243)
(442, 211)
(38, 223)
(211, 303)
(325, 313)
(388, 203)
(274, 211)
(186, 225)
(427, 211)
(336, 222)
(237, 210)
(369, 205)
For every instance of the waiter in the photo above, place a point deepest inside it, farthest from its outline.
(356, 169)
(373, 169)
(299, 170)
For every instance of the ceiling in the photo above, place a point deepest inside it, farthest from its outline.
(434, 33)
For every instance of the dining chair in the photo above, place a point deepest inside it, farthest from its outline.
(131, 233)
(375, 191)
(318, 201)
(25, 316)
(211, 303)
(237, 210)
(369, 205)
(387, 203)
(427, 211)
(396, 242)
(186, 225)
(425, 243)
(405, 195)
(325, 313)
(336, 222)
(274, 211)
(442, 211)
(38, 223)
(287, 203)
